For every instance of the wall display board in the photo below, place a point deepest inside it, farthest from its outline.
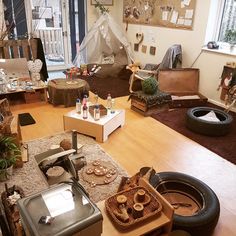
(165, 13)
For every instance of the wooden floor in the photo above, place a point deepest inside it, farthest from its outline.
(145, 142)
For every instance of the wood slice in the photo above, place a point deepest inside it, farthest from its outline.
(99, 173)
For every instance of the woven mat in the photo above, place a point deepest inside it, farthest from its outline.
(31, 180)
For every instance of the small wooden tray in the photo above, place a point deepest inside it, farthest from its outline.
(150, 210)
(103, 110)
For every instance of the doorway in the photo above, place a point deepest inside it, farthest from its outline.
(50, 25)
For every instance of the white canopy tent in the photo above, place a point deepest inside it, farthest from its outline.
(105, 39)
(2, 21)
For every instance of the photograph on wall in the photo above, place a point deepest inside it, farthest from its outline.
(165, 13)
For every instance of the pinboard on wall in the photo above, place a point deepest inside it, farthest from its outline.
(164, 13)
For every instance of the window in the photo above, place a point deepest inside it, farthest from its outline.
(228, 22)
(222, 18)
(14, 15)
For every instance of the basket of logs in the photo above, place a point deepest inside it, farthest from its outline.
(133, 206)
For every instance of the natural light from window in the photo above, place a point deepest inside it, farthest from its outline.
(222, 26)
(227, 32)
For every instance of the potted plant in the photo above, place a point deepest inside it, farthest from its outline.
(9, 154)
(230, 37)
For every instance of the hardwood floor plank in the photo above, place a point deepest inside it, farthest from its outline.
(144, 141)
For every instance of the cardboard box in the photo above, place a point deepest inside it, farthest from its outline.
(183, 85)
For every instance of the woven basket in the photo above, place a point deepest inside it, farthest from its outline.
(11, 210)
(5, 107)
(7, 117)
(5, 126)
(153, 209)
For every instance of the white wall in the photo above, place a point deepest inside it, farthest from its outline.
(209, 63)
(94, 13)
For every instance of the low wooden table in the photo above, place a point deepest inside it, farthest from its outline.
(35, 94)
(99, 129)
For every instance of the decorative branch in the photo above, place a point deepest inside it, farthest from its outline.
(101, 7)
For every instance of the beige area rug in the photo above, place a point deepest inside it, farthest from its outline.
(31, 180)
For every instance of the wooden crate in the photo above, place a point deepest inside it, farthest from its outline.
(186, 100)
(32, 96)
(142, 108)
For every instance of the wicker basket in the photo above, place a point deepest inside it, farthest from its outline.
(12, 211)
(5, 125)
(5, 107)
(153, 209)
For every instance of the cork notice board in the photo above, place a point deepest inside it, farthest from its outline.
(165, 13)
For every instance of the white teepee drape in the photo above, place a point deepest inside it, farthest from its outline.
(2, 21)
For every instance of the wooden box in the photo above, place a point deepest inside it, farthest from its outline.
(32, 96)
(187, 100)
(183, 85)
(103, 110)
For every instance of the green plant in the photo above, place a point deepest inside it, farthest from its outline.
(9, 152)
(149, 86)
(101, 7)
(230, 36)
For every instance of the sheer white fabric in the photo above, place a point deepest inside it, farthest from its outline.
(104, 39)
(2, 21)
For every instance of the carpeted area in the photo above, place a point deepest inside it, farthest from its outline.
(224, 146)
(26, 119)
(30, 179)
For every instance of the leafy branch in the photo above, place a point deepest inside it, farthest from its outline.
(101, 7)
(230, 36)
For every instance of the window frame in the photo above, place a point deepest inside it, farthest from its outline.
(212, 33)
(221, 5)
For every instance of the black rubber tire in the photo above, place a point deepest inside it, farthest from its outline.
(205, 220)
(208, 128)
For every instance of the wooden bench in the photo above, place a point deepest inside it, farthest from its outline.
(30, 49)
(18, 49)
